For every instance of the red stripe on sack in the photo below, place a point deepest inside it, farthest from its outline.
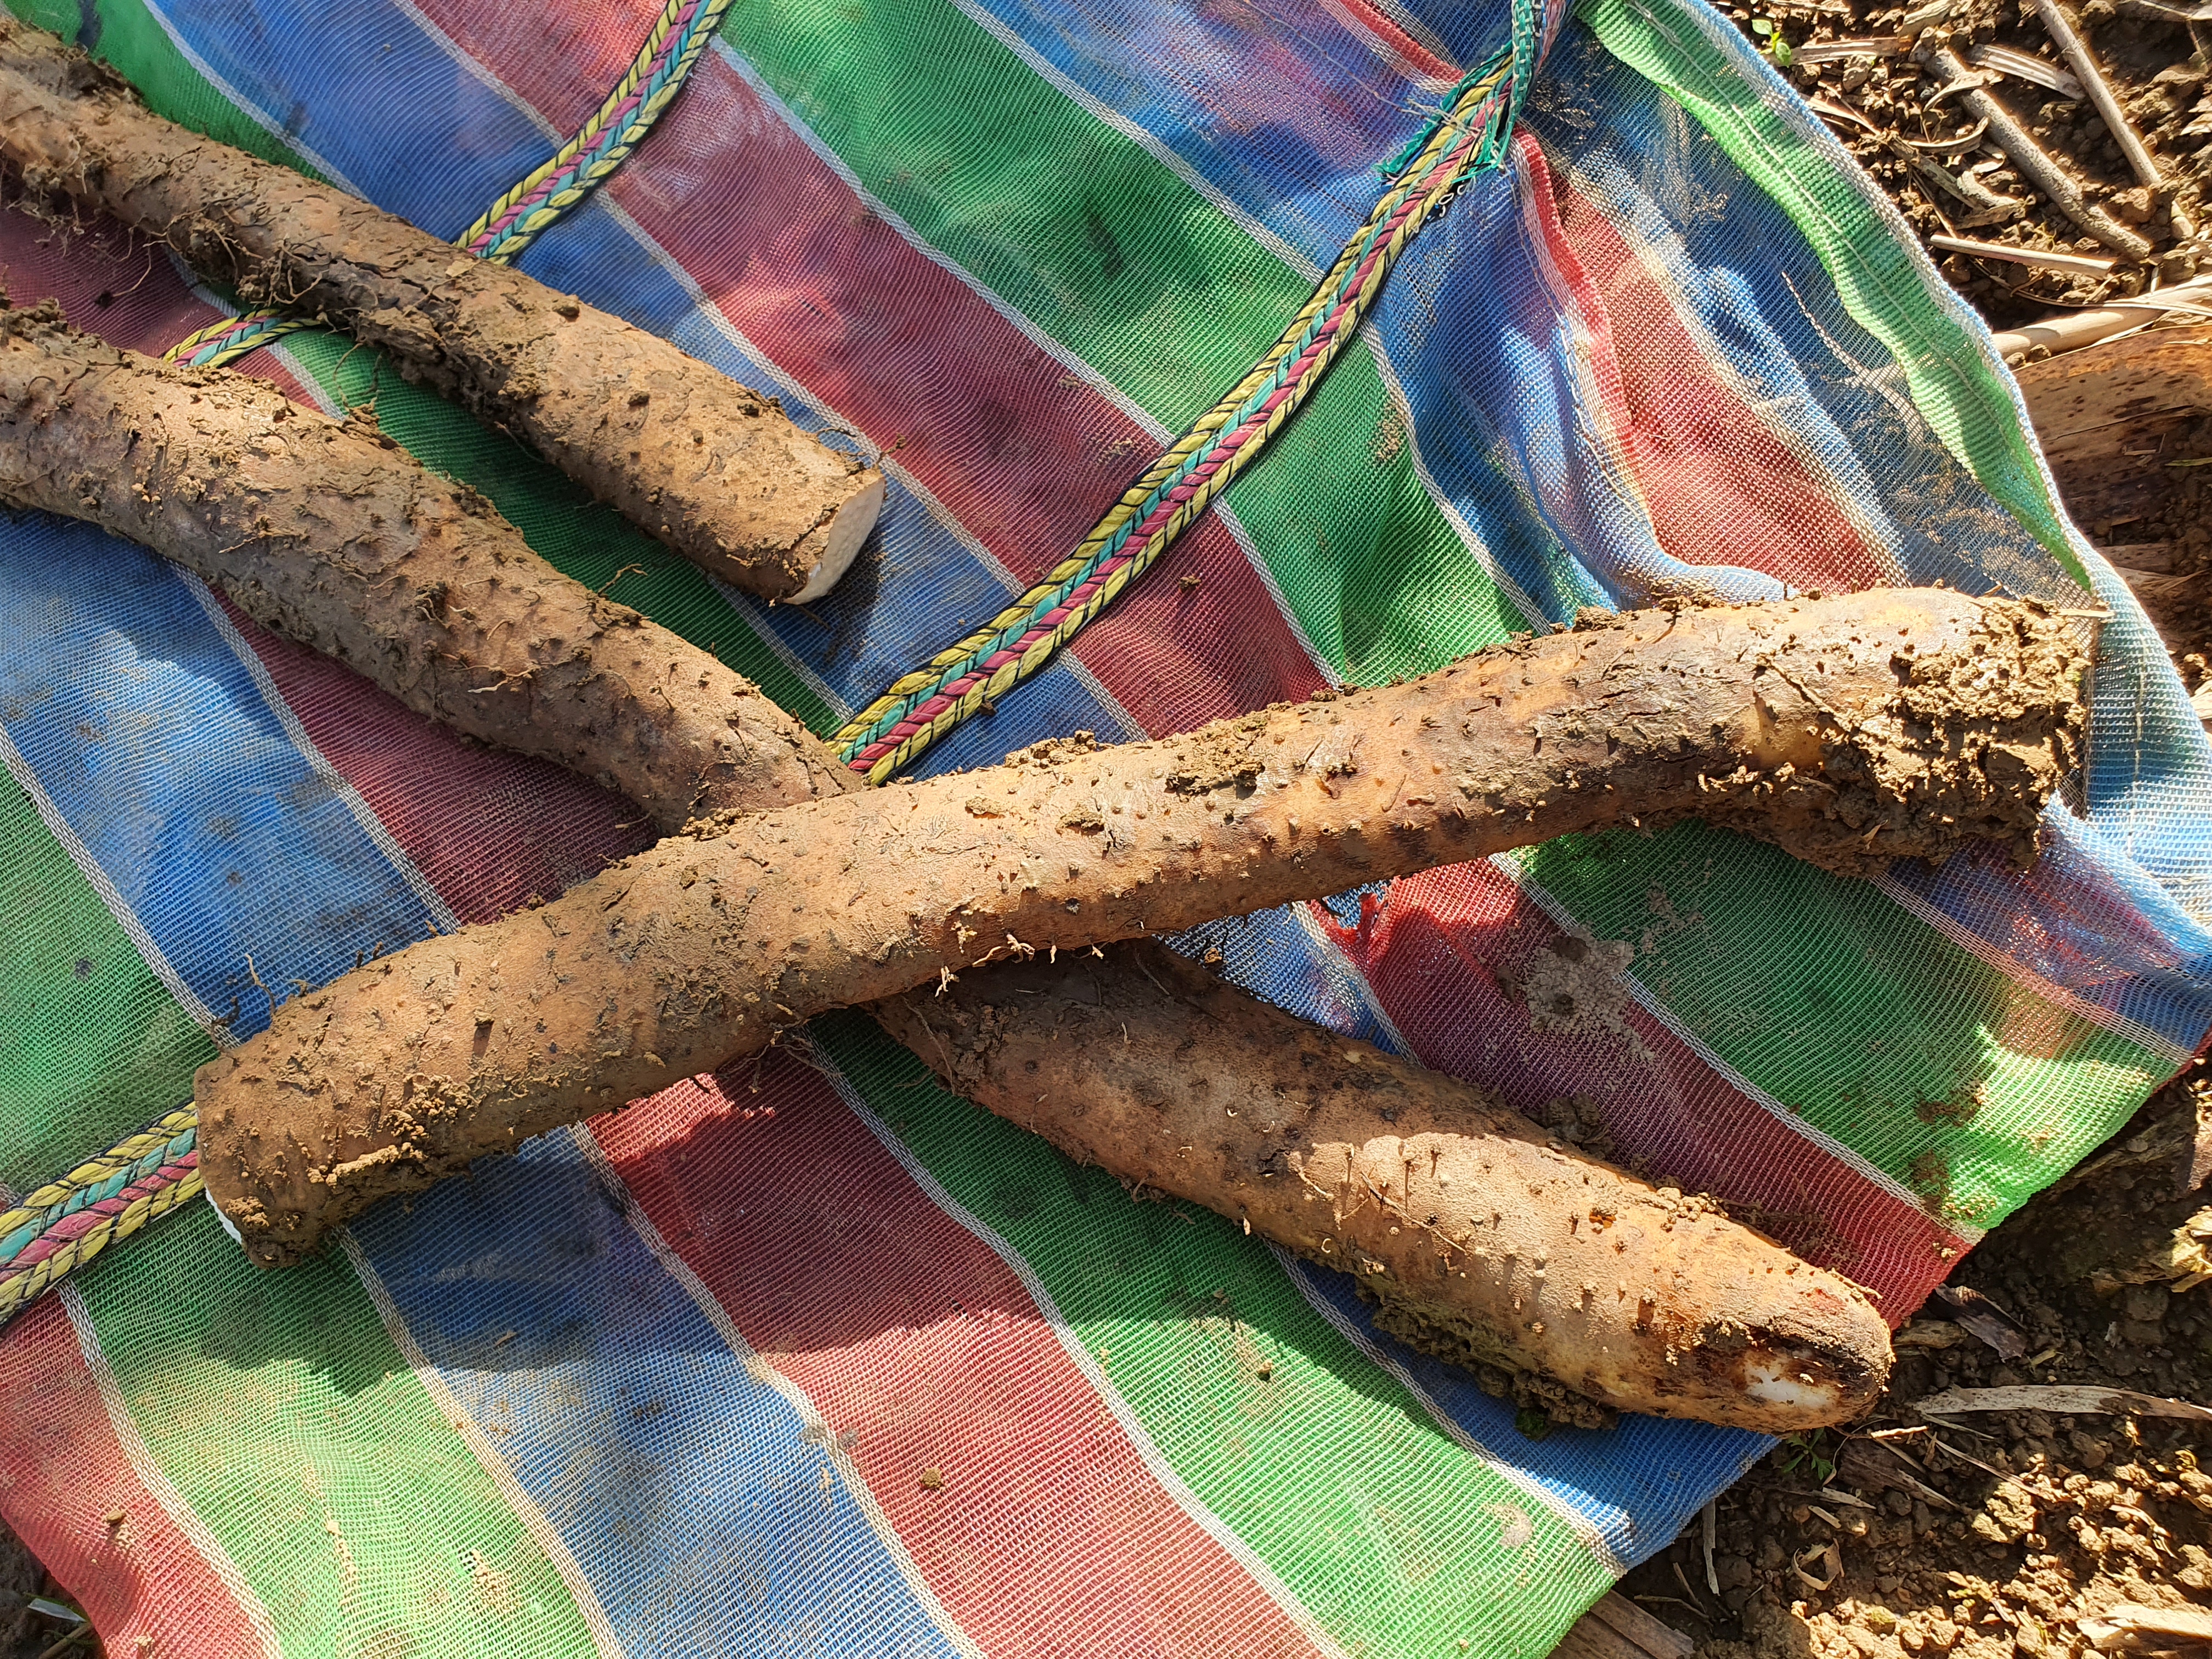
(64, 1475)
(1370, 19)
(563, 61)
(1586, 311)
(1049, 1533)
(915, 357)
(1721, 487)
(1433, 956)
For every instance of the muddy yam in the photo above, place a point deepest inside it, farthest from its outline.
(322, 532)
(1474, 1236)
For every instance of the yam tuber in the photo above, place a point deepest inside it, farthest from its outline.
(1851, 730)
(708, 466)
(321, 532)
(1471, 1236)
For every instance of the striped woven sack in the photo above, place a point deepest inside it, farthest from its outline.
(814, 1358)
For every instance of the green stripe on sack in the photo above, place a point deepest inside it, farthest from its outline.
(561, 523)
(1395, 1538)
(127, 38)
(1111, 255)
(278, 1407)
(1966, 1086)
(91, 1047)
(1950, 377)
(274, 1402)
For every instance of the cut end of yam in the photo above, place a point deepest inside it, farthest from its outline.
(839, 541)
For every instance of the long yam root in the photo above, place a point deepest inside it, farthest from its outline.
(318, 531)
(1851, 730)
(1471, 1236)
(709, 467)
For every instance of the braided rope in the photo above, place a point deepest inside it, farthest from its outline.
(586, 161)
(921, 706)
(65, 1223)
(655, 76)
(162, 1142)
(228, 340)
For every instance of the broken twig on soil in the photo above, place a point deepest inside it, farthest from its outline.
(2060, 1398)
(2046, 258)
(2034, 163)
(2075, 50)
(1977, 1313)
(2023, 66)
(2131, 1627)
(2073, 330)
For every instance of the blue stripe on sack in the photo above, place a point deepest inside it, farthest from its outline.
(1638, 1484)
(153, 744)
(1467, 31)
(1749, 282)
(366, 87)
(1272, 954)
(704, 1520)
(2150, 758)
(862, 635)
(2102, 928)
(1303, 167)
(1510, 429)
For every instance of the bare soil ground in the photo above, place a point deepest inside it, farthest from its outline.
(1905, 122)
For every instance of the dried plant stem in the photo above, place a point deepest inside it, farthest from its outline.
(2034, 161)
(2092, 76)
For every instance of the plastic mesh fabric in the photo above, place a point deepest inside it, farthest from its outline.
(809, 1356)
